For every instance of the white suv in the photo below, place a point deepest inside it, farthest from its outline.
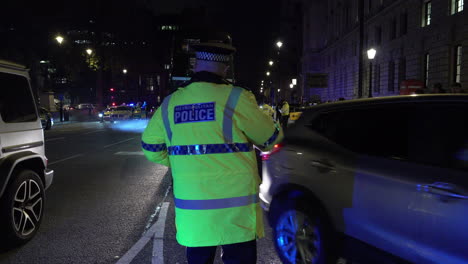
(23, 165)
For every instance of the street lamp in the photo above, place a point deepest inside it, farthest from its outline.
(89, 51)
(370, 55)
(291, 85)
(294, 81)
(268, 73)
(279, 44)
(59, 39)
(270, 62)
(124, 71)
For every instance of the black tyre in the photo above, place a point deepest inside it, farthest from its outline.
(21, 208)
(300, 233)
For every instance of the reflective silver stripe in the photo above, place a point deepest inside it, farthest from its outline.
(216, 203)
(272, 138)
(209, 149)
(229, 112)
(165, 117)
(153, 147)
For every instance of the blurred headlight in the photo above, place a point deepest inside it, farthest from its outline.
(100, 115)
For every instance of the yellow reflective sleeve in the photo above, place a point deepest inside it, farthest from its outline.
(153, 140)
(258, 127)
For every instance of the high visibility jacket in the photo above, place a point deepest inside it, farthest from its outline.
(285, 109)
(204, 132)
(267, 110)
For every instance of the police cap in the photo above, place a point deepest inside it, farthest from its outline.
(217, 48)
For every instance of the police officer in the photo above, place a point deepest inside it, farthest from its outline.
(284, 110)
(205, 132)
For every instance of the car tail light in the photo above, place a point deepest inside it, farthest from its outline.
(276, 148)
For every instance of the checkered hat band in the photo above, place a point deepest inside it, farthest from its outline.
(208, 56)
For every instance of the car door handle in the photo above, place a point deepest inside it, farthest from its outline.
(442, 189)
(323, 165)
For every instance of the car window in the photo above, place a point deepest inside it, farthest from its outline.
(441, 137)
(16, 102)
(123, 108)
(376, 131)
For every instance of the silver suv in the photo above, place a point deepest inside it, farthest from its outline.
(23, 165)
(387, 173)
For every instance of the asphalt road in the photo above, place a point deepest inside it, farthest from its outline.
(104, 197)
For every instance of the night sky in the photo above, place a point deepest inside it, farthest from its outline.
(254, 25)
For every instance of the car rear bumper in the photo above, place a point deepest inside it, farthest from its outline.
(264, 202)
(48, 176)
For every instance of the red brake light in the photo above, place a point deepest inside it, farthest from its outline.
(276, 148)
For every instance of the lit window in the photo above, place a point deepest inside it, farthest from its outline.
(457, 62)
(457, 6)
(427, 13)
(426, 69)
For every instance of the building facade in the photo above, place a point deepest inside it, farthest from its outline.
(422, 40)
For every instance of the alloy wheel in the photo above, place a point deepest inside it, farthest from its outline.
(27, 207)
(298, 237)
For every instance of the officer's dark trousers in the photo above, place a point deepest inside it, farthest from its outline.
(239, 253)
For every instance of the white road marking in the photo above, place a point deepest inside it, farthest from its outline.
(53, 139)
(130, 153)
(93, 132)
(158, 239)
(72, 157)
(152, 232)
(110, 145)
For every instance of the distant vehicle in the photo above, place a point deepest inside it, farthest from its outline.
(116, 113)
(389, 172)
(23, 165)
(47, 120)
(85, 106)
(106, 114)
(139, 113)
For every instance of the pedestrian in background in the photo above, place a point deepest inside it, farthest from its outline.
(284, 110)
(205, 131)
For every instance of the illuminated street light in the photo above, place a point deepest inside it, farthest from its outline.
(59, 39)
(371, 53)
(294, 81)
(279, 90)
(279, 44)
(271, 63)
(291, 85)
(89, 51)
(124, 71)
(268, 73)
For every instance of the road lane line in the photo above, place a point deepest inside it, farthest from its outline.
(110, 145)
(158, 239)
(72, 157)
(52, 139)
(130, 153)
(140, 244)
(93, 132)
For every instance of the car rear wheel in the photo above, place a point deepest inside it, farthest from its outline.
(300, 233)
(21, 208)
